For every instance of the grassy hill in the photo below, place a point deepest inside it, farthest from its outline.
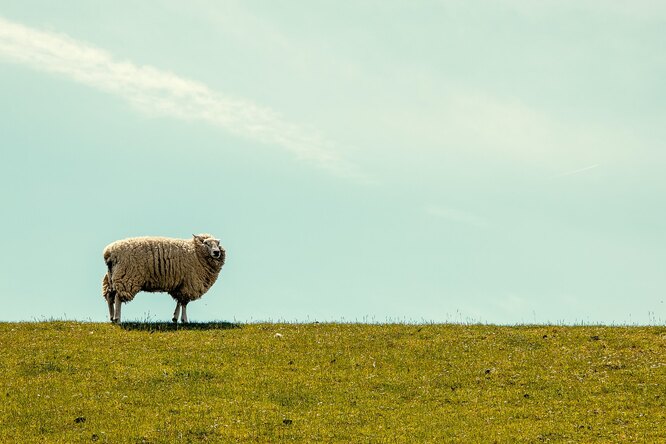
(139, 383)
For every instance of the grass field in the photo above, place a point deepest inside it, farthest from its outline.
(140, 383)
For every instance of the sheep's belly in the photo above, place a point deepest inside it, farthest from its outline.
(153, 289)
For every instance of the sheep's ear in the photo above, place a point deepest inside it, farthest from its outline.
(198, 238)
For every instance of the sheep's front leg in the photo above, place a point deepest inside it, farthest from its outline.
(183, 318)
(176, 313)
(117, 307)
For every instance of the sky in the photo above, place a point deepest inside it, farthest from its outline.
(374, 161)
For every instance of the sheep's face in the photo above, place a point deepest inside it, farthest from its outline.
(214, 248)
(212, 245)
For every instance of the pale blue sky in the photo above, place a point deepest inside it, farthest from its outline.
(493, 161)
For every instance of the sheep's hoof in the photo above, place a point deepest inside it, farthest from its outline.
(174, 320)
(115, 321)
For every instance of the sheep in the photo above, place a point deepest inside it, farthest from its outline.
(184, 268)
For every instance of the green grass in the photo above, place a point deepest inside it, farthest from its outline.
(220, 382)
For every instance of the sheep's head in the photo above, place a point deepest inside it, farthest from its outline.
(212, 245)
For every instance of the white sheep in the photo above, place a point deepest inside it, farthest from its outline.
(184, 268)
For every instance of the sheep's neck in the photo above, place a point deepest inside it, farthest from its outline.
(211, 266)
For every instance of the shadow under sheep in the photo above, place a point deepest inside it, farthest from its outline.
(172, 326)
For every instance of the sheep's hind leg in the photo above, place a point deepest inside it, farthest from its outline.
(111, 309)
(116, 314)
(109, 294)
(176, 313)
(183, 318)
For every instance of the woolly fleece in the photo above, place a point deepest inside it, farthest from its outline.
(184, 268)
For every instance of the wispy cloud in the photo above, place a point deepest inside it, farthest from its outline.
(577, 171)
(162, 93)
(456, 215)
